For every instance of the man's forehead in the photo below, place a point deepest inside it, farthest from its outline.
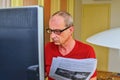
(56, 18)
(57, 21)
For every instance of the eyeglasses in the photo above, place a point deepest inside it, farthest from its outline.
(56, 31)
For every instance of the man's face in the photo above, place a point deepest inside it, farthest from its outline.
(57, 23)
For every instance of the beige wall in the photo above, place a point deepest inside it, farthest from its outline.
(114, 56)
(96, 18)
(4, 3)
(95, 2)
(77, 18)
(115, 13)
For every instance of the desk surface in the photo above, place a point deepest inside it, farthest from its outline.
(104, 75)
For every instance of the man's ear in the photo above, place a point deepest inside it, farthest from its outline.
(71, 29)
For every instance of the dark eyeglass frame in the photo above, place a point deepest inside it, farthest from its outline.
(56, 31)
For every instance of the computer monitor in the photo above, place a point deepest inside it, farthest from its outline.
(21, 42)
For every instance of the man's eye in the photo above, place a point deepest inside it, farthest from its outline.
(57, 31)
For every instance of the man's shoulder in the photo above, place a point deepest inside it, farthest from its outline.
(49, 44)
(87, 49)
(83, 44)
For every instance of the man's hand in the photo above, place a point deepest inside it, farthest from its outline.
(94, 78)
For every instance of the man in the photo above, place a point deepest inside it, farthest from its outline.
(63, 44)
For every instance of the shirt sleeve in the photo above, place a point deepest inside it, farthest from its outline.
(92, 55)
(95, 74)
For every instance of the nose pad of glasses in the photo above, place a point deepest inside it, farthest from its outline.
(52, 35)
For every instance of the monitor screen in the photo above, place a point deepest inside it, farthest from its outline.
(21, 43)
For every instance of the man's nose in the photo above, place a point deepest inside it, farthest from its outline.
(52, 35)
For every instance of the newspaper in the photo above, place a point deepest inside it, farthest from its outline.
(72, 69)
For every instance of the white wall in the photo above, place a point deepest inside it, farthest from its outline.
(114, 56)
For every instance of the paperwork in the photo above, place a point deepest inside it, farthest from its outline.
(72, 69)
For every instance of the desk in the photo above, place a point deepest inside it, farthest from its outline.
(104, 75)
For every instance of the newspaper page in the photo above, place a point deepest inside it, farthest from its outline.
(72, 69)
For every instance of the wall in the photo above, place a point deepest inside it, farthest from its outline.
(114, 56)
(96, 18)
(115, 13)
(95, 2)
(15, 3)
(77, 18)
(4, 3)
